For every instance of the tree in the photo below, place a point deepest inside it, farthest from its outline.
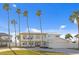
(6, 7)
(25, 13)
(13, 22)
(38, 13)
(68, 36)
(73, 17)
(18, 11)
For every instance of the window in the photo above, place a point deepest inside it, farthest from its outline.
(24, 37)
(28, 37)
(25, 43)
(30, 43)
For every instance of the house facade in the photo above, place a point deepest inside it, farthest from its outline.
(4, 41)
(33, 39)
(50, 40)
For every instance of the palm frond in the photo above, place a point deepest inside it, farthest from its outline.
(38, 13)
(18, 11)
(6, 6)
(25, 13)
(76, 13)
(72, 18)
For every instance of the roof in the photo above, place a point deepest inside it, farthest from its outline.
(54, 33)
(33, 33)
(4, 34)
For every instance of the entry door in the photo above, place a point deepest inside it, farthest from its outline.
(37, 44)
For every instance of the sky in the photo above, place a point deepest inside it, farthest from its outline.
(55, 17)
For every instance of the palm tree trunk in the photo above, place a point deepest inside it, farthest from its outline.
(78, 33)
(28, 29)
(15, 34)
(9, 29)
(19, 31)
(41, 29)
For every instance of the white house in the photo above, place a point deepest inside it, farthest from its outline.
(50, 40)
(4, 41)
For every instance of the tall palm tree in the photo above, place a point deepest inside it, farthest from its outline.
(19, 12)
(6, 7)
(68, 36)
(13, 22)
(25, 13)
(38, 13)
(73, 17)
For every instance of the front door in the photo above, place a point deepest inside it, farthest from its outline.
(37, 44)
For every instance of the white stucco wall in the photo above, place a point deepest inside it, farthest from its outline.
(57, 42)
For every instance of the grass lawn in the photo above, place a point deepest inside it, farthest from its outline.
(30, 52)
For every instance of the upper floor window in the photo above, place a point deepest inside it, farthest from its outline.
(28, 37)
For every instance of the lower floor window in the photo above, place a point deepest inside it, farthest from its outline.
(25, 43)
(30, 43)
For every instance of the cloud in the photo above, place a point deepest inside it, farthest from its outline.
(62, 26)
(34, 30)
(14, 5)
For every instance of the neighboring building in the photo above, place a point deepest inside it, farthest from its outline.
(54, 41)
(50, 40)
(4, 41)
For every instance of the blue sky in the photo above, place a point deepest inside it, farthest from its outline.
(55, 17)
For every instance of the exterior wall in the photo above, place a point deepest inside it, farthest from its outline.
(4, 42)
(56, 42)
(37, 38)
(52, 41)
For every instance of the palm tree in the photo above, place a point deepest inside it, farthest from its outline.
(38, 13)
(6, 7)
(19, 12)
(13, 22)
(25, 13)
(68, 36)
(73, 17)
